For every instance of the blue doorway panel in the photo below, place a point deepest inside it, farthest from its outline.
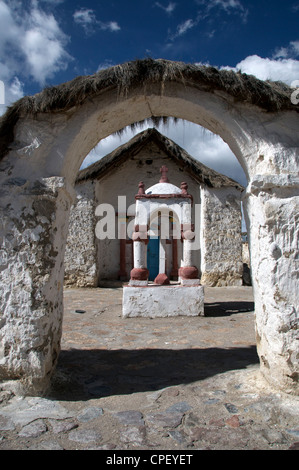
(153, 257)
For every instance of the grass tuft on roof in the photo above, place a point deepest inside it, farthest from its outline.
(269, 96)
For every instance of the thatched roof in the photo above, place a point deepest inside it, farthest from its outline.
(201, 173)
(269, 96)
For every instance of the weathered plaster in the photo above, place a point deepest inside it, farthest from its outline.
(80, 259)
(163, 301)
(33, 224)
(221, 255)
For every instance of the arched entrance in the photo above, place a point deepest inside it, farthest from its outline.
(45, 138)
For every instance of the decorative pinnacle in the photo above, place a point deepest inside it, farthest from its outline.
(163, 171)
(141, 188)
(184, 187)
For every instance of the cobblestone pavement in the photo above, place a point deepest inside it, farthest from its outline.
(184, 383)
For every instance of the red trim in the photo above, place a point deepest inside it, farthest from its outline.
(139, 274)
(188, 272)
(164, 196)
(162, 280)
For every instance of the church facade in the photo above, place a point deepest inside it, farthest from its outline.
(102, 240)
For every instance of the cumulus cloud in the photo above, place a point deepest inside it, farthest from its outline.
(43, 46)
(281, 68)
(86, 18)
(31, 43)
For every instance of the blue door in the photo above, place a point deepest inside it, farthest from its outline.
(153, 257)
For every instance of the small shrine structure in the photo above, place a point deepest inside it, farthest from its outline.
(163, 215)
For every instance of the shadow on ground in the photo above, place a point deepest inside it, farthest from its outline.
(86, 374)
(225, 309)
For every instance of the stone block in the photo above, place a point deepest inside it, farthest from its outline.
(163, 301)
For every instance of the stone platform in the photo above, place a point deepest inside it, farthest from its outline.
(154, 301)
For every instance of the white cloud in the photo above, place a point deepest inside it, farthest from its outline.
(43, 46)
(105, 65)
(291, 51)
(31, 42)
(111, 26)
(86, 18)
(228, 6)
(183, 27)
(12, 90)
(9, 31)
(52, 2)
(282, 66)
(207, 9)
(169, 9)
(284, 70)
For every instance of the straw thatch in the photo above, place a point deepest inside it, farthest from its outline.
(197, 170)
(270, 96)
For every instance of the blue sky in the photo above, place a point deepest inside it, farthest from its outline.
(47, 42)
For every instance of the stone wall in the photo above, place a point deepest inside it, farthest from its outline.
(81, 250)
(33, 222)
(221, 254)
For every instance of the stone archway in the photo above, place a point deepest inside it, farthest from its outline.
(45, 138)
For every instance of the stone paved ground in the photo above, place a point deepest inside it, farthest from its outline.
(157, 384)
